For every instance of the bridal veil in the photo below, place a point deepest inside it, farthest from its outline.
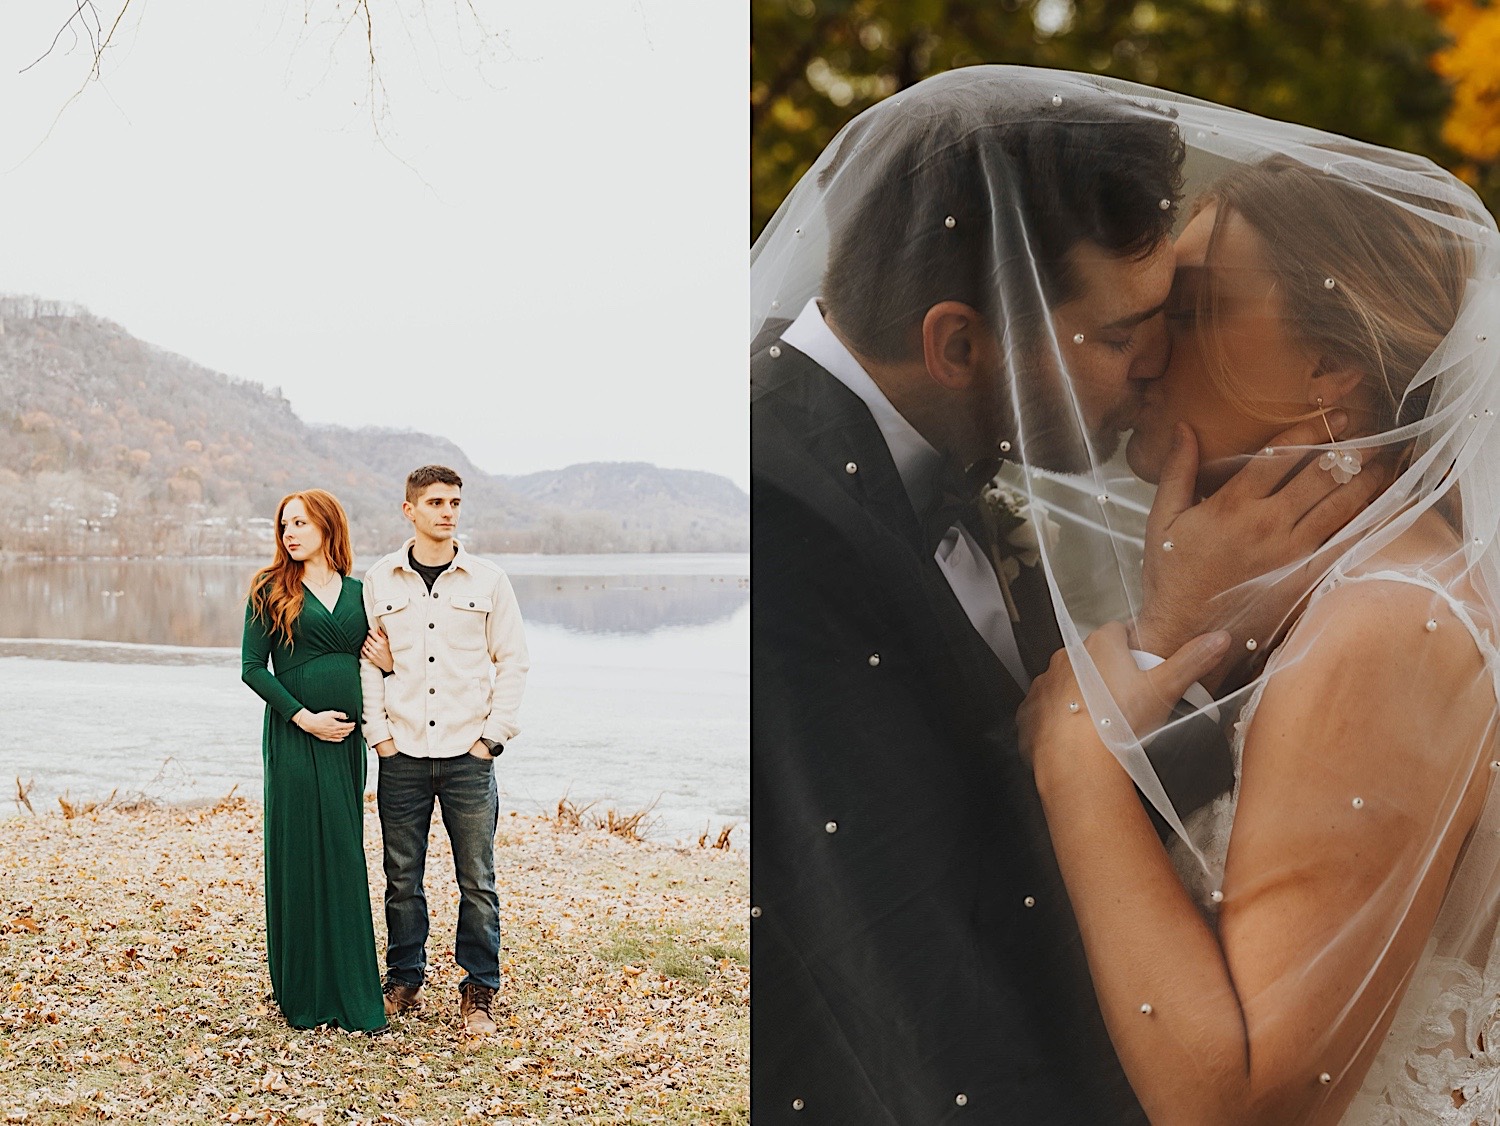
(1382, 264)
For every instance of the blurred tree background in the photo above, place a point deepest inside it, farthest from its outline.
(1419, 75)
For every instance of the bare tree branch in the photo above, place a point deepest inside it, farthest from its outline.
(335, 22)
(86, 15)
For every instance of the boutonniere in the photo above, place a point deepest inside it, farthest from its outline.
(1019, 527)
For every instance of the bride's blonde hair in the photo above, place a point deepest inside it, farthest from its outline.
(1397, 281)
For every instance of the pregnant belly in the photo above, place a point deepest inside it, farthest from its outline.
(327, 683)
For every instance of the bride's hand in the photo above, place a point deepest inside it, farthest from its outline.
(1259, 522)
(377, 650)
(1055, 717)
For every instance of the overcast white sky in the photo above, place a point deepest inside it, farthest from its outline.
(546, 265)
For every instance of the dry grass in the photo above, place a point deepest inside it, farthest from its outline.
(133, 983)
(630, 826)
(721, 842)
(635, 827)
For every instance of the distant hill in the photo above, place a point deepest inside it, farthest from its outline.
(111, 446)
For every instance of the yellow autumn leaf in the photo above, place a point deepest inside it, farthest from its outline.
(1471, 65)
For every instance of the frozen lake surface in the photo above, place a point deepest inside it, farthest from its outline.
(124, 676)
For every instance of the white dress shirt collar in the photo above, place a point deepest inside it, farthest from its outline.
(918, 464)
(963, 562)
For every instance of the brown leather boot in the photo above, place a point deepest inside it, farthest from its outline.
(399, 998)
(474, 1003)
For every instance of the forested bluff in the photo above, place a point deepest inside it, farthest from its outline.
(113, 447)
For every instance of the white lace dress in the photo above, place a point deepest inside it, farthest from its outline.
(1440, 1064)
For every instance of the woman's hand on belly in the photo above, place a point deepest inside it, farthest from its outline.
(331, 727)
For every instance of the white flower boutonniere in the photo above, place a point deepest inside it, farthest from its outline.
(1020, 527)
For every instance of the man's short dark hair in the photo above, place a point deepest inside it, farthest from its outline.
(1024, 180)
(421, 477)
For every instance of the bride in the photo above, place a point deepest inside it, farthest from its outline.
(1318, 944)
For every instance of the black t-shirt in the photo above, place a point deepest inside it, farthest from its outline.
(429, 574)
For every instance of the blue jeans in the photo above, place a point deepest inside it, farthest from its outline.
(464, 787)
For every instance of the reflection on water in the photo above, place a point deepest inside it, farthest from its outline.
(125, 676)
(629, 604)
(624, 722)
(201, 602)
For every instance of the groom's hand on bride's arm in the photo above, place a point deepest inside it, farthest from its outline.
(1260, 521)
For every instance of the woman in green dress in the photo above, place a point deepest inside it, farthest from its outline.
(306, 616)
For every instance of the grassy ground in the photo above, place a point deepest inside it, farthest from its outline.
(133, 983)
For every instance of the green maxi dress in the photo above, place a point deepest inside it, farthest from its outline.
(320, 942)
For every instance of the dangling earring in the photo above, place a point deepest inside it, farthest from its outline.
(1343, 464)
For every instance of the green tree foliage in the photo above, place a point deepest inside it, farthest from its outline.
(1361, 68)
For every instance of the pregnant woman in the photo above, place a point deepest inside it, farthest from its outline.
(306, 616)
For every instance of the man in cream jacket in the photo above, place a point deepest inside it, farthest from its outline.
(437, 723)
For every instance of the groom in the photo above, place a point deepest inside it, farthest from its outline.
(437, 723)
(914, 956)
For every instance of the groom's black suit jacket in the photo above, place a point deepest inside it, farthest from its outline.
(914, 956)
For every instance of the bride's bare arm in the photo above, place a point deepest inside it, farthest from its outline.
(1365, 768)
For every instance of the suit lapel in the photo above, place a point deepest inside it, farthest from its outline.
(834, 428)
(829, 430)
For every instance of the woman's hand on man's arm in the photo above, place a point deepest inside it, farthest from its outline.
(377, 650)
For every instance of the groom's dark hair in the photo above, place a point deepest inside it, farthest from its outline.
(421, 477)
(976, 189)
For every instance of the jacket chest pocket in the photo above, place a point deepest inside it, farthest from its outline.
(469, 617)
(394, 615)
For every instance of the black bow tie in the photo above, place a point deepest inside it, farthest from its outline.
(957, 502)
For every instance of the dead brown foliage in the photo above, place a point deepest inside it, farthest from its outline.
(71, 810)
(627, 826)
(133, 984)
(635, 827)
(722, 841)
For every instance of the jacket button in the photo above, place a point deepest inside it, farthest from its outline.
(432, 723)
(874, 660)
(432, 625)
(431, 659)
(432, 692)
(471, 605)
(389, 607)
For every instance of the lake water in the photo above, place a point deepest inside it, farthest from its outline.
(124, 676)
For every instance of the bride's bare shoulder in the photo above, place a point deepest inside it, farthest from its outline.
(1405, 631)
(1407, 574)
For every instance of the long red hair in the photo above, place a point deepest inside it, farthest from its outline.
(276, 590)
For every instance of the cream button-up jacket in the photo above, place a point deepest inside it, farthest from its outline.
(460, 655)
